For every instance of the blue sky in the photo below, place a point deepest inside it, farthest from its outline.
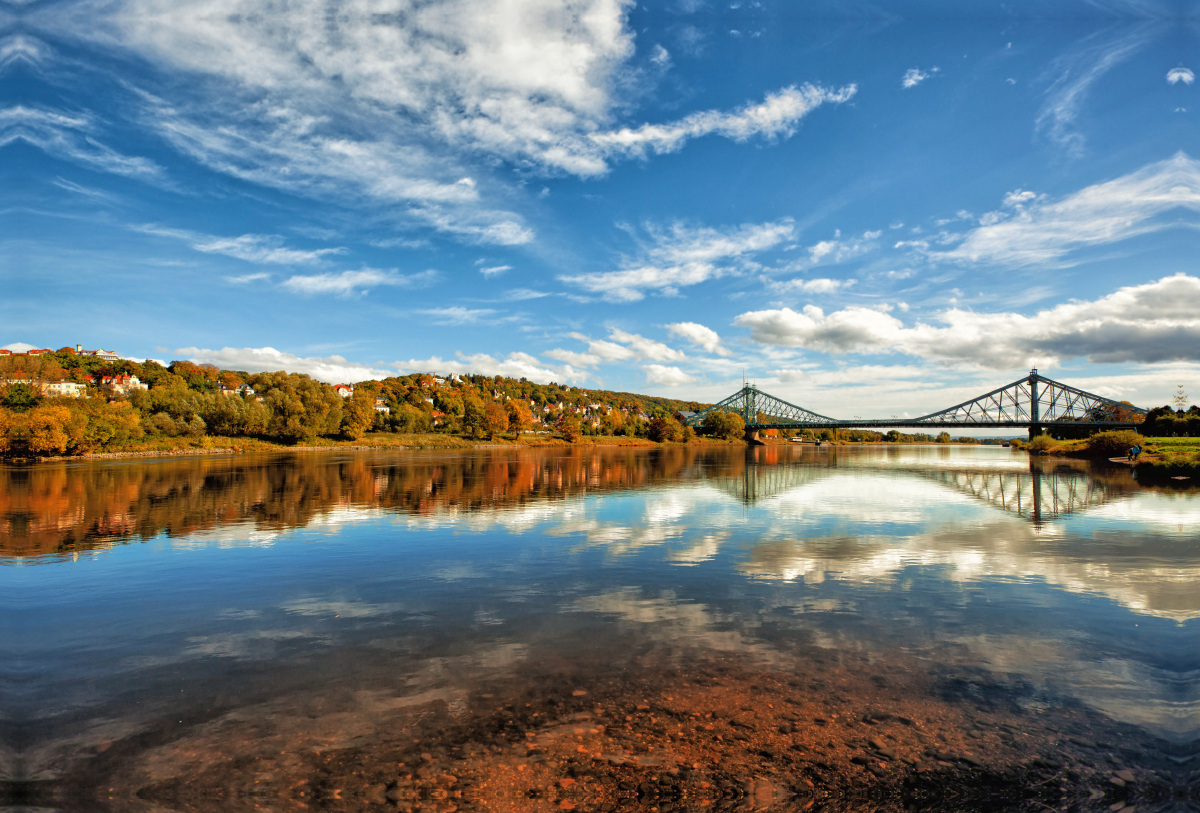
(871, 209)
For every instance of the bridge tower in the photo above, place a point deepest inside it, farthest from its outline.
(1034, 428)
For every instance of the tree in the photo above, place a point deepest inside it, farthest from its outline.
(474, 416)
(19, 397)
(569, 426)
(722, 424)
(666, 430)
(300, 407)
(943, 437)
(495, 419)
(520, 419)
(358, 413)
(613, 423)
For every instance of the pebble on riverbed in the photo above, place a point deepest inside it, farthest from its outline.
(720, 735)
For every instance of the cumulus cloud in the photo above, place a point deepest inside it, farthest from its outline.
(622, 347)
(666, 376)
(1032, 230)
(1177, 75)
(913, 77)
(331, 369)
(644, 348)
(1155, 322)
(700, 336)
(346, 283)
(516, 365)
(680, 255)
(19, 347)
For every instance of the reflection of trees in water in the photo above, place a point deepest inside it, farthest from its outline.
(60, 508)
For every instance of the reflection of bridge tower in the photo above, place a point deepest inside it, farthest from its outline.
(764, 481)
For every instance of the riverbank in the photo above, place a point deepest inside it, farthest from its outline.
(186, 447)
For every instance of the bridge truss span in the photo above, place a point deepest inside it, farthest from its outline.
(1034, 401)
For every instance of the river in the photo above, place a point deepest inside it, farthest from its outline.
(772, 628)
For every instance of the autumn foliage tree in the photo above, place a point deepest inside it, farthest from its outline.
(520, 419)
(495, 419)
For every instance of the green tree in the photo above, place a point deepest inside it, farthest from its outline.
(301, 408)
(722, 424)
(20, 397)
(474, 416)
(358, 413)
(942, 437)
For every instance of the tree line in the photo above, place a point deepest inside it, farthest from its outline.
(188, 400)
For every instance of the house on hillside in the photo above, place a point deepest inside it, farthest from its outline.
(63, 389)
(344, 390)
(381, 406)
(107, 355)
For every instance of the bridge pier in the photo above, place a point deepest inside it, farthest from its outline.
(752, 437)
(1035, 430)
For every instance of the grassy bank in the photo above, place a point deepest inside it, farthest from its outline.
(1161, 458)
(184, 446)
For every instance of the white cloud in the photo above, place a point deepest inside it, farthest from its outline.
(574, 359)
(776, 116)
(332, 369)
(404, 103)
(1155, 322)
(645, 348)
(261, 248)
(700, 336)
(680, 255)
(1042, 232)
(517, 365)
(809, 286)
(495, 270)
(19, 347)
(246, 278)
(666, 376)
(73, 137)
(458, 315)
(1177, 75)
(349, 282)
(913, 77)
(265, 249)
(1077, 72)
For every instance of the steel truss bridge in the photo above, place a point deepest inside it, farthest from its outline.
(1034, 402)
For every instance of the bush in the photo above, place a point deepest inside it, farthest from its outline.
(1113, 444)
(1042, 444)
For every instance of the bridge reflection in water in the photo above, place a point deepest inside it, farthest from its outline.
(1038, 490)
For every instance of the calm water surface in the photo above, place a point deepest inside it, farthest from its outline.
(147, 603)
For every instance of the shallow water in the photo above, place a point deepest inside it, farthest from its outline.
(165, 617)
